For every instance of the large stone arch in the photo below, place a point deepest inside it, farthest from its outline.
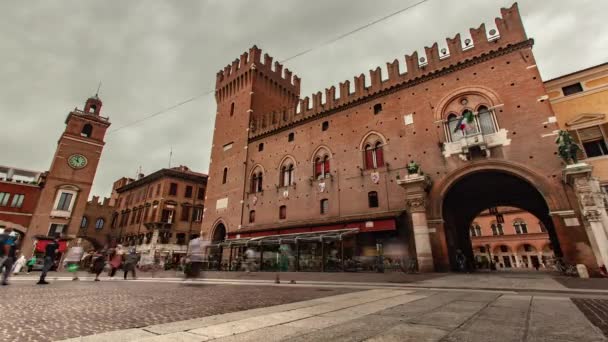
(455, 200)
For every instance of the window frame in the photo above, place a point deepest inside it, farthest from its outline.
(251, 216)
(173, 188)
(17, 201)
(84, 222)
(225, 175)
(324, 206)
(373, 200)
(99, 226)
(291, 137)
(58, 199)
(4, 198)
(283, 212)
(188, 192)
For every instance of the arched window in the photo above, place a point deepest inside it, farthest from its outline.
(374, 155)
(453, 127)
(87, 130)
(225, 176)
(324, 206)
(372, 199)
(282, 212)
(497, 229)
(256, 181)
(251, 216)
(288, 176)
(115, 219)
(84, 222)
(475, 230)
(486, 120)
(520, 226)
(321, 164)
(99, 223)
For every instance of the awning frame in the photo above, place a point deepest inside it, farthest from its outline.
(278, 239)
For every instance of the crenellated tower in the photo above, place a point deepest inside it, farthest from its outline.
(244, 90)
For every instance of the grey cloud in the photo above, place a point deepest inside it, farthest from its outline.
(152, 54)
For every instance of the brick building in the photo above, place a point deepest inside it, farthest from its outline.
(19, 192)
(323, 185)
(519, 241)
(95, 224)
(58, 199)
(161, 211)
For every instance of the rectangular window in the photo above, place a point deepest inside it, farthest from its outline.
(282, 212)
(56, 229)
(593, 141)
(372, 199)
(252, 216)
(572, 89)
(197, 214)
(4, 198)
(185, 213)
(201, 194)
(173, 189)
(167, 216)
(324, 206)
(65, 200)
(188, 191)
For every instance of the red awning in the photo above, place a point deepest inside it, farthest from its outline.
(41, 245)
(363, 226)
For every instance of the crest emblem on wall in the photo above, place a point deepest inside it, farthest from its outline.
(254, 200)
(375, 176)
(322, 187)
(285, 194)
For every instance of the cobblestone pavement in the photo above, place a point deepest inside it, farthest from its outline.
(66, 309)
(596, 311)
(386, 315)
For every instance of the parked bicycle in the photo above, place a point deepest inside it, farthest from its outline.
(564, 268)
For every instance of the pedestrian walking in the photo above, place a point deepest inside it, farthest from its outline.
(30, 264)
(130, 263)
(8, 239)
(196, 252)
(461, 260)
(19, 264)
(249, 259)
(50, 252)
(116, 260)
(72, 259)
(99, 262)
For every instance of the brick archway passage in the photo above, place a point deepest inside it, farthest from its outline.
(481, 190)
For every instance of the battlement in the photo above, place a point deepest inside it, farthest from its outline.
(242, 71)
(510, 33)
(104, 203)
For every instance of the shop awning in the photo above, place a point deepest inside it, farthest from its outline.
(41, 245)
(278, 239)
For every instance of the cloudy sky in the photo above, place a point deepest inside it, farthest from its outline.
(152, 54)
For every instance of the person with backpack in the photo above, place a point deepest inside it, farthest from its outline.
(50, 253)
(7, 252)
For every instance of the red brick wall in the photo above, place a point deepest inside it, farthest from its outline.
(19, 216)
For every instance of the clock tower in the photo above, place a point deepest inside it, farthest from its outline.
(68, 182)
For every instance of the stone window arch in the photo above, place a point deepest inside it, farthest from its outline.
(321, 163)
(99, 223)
(497, 228)
(373, 151)
(521, 227)
(475, 229)
(84, 222)
(256, 180)
(472, 106)
(87, 131)
(287, 172)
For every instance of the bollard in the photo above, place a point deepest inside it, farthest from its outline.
(277, 280)
(582, 271)
(292, 281)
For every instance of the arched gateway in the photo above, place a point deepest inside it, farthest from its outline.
(454, 201)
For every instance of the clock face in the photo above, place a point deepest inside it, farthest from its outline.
(77, 161)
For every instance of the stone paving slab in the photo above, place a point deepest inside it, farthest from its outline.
(449, 316)
(175, 337)
(410, 333)
(114, 336)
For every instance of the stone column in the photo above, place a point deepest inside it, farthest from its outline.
(517, 263)
(540, 260)
(592, 202)
(416, 187)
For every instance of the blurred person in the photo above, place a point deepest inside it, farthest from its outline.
(8, 239)
(50, 253)
(130, 263)
(72, 259)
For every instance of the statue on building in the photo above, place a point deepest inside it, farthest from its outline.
(566, 147)
(413, 168)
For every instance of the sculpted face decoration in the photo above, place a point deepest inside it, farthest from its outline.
(77, 161)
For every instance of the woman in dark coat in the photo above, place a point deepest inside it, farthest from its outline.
(99, 262)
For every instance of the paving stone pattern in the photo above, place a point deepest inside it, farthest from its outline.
(70, 309)
(596, 310)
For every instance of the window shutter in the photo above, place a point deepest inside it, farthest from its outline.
(590, 133)
(379, 156)
(369, 159)
(326, 166)
(575, 136)
(318, 168)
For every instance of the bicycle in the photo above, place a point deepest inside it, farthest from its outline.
(409, 266)
(564, 268)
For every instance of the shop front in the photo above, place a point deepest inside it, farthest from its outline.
(367, 246)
